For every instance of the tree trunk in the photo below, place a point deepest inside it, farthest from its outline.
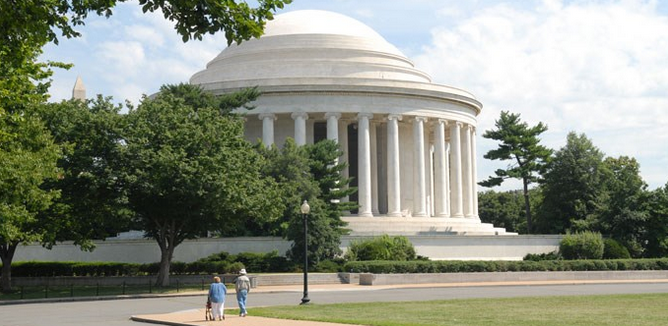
(527, 205)
(165, 263)
(7, 255)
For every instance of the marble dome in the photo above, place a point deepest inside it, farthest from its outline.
(314, 44)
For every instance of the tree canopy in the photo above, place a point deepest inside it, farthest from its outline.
(188, 169)
(28, 157)
(572, 185)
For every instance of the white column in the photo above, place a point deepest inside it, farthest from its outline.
(447, 180)
(420, 204)
(393, 169)
(333, 126)
(343, 143)
(456, 204)
(267, 128)
(467, 187)
(373, 148)
(440, 190)
(474, 172)
(364, 164)
(300, 127)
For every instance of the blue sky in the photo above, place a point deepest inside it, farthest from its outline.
(593, 67)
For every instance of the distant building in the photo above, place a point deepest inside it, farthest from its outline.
(410, 144)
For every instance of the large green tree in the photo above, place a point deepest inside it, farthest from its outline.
(519, 144)
(188, 169)
(656, 226)
(92, 204)
(28, 157)
(572, 186)
(621, 211)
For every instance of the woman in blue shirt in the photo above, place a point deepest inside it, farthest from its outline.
(217, 292)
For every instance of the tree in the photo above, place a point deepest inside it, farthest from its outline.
(519, 143)
(504, 209)
(188, 170)
(92, 204)
(571, 186)
(27, 158)
(29, 20)
(656, 226)
(620, 212)
(310, 173)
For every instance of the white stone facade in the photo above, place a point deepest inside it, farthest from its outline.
(410, 144)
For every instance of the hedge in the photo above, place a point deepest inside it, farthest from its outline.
(455, 266)
(47, 269)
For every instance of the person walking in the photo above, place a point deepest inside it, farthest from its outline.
(242, 285)
(217, 292)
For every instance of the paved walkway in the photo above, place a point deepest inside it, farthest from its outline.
(195, 317)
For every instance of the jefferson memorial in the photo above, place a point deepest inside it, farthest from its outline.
(409, 143)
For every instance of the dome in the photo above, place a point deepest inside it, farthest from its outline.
(319, 22)
(309, 47)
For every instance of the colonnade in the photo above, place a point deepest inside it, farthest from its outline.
(444, 162)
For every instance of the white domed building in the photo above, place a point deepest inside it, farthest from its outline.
(410, 143)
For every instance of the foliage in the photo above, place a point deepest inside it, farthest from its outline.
(187, 169)
(504, 209)
(656, 226)
(92, 204)
(28, 158)
(582, 245)
(253, 262)
(396, 248)
(519, 144)
(614, 250)
(620, 211)
(309, 172)
(571, 187)
(28, 21)
(554, 255)
(473, 266)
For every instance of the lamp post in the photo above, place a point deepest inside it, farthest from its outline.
(305, 210)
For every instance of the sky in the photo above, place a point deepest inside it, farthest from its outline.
(598, 68)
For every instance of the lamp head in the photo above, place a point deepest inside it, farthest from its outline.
(305, 208)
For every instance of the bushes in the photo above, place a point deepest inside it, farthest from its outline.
(253, 262)
(454, 266)
(397, 248)
(582, 245)
(544, 256)
(614, 250)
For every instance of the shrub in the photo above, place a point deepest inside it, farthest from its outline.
(544, 256)
(582, 245)
(385, 247)
(614, 250)
(453, 266)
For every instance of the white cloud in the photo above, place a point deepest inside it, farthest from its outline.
(593, 67)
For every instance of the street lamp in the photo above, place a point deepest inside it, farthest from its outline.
(305, 209)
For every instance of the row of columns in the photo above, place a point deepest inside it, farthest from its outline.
(455, 188)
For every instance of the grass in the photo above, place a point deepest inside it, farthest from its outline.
(640, 309)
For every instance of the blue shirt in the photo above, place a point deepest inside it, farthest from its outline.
(217, 292)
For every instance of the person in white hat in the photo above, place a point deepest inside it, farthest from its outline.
(242, 284)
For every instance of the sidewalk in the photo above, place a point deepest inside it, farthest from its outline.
(195, 317)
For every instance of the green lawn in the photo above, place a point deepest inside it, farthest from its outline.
(642, 309)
